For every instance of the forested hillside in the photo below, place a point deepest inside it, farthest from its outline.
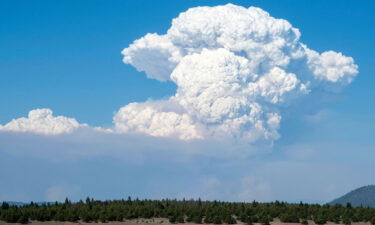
(194, 211)
(364, 196)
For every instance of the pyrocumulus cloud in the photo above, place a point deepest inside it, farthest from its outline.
(235, 69)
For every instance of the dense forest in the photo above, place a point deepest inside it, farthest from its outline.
(180, 211)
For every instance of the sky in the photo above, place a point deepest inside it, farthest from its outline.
(120, 133)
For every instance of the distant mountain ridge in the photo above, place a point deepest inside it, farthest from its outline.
(364, 196)
(13, 203)
(16, 203)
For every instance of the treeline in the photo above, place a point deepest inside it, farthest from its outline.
(181, 211)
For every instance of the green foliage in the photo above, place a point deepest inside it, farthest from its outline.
(228, 219)
(173, 219)
(23, 219)
(197, 219)
(320, 220)
(4, 206)
(180, 219)
(265, 220)
(346, 221)
(216, 219)
(289, 217)
(372, 220)
(192, 211)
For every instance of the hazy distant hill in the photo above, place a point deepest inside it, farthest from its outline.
(17, 203)
(364, 196)
(23, 203)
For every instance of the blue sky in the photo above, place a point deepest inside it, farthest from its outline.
(66, 55)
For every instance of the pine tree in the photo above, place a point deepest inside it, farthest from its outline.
(265, 220)
(320, 220)
(86, 217)
(5, 206)
(23, 219)
(372, 220)
(103, 217)
(346, 220)
(180, 219)
(216, 219)
(173, 219)
(229, 219)
(197, 219)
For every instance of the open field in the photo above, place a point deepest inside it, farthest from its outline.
(158, 221)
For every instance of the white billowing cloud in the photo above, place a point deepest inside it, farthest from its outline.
(235, 69)
(41, 121)
(275, 85)
(332, 66)
(162, 56)
(142, 118)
